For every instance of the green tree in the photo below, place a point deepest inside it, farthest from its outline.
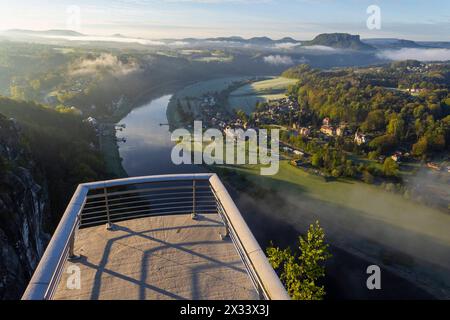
(301, 274)
(383, 144)
(436, 141)
(421, 147)
(367, 177)
(374, 121)
(390, 168)
(396, 127)
(242, 115)
(317, 160)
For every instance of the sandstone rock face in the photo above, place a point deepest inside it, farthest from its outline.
(23, 210)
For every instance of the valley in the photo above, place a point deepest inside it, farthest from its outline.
(364, 142)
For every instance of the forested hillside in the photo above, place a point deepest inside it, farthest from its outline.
(405, 104)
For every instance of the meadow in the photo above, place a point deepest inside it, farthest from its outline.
(247, 96)
(199, 89)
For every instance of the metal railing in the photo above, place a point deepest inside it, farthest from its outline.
(107, 202)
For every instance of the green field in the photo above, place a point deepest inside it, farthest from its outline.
(199, 89)
(270, 86)
(248, 103)
(247, 96)
(350, 194)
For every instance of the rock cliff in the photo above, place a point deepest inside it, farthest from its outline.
(23, 212)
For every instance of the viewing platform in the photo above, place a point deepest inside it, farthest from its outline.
(150, 238)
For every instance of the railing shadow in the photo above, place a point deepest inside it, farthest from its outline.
(142, 283)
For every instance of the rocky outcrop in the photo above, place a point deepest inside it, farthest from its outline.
(339, 41)
(23, 210)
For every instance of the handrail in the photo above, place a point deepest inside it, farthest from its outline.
(147, 179)
(47, 275)
(270, 282)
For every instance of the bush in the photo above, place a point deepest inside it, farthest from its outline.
(317, 160)
(367, 177)
(384, 143)
(421, 147)
(373, 155)
(390, 168)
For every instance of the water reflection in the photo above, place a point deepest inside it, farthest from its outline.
(148, 146)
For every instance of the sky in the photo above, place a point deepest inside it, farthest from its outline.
(301, 19)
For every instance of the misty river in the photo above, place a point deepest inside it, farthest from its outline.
(148, 146)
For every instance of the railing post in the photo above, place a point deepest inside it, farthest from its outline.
(225, 222)
(109, 225)
(194, 213)
(72, 255)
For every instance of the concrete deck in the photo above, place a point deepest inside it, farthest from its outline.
(170, 257)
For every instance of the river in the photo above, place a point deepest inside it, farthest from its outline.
(148, 146)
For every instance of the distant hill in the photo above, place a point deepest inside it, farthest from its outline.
(222, 39)
(257, 41)
(339, 41)
(435, 44)
(69, 33)
(260, 40)
(118, 35)
(287, 40)
(391, 43)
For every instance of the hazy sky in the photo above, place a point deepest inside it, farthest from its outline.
(302, 19)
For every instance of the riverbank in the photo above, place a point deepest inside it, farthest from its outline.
(111, 156)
